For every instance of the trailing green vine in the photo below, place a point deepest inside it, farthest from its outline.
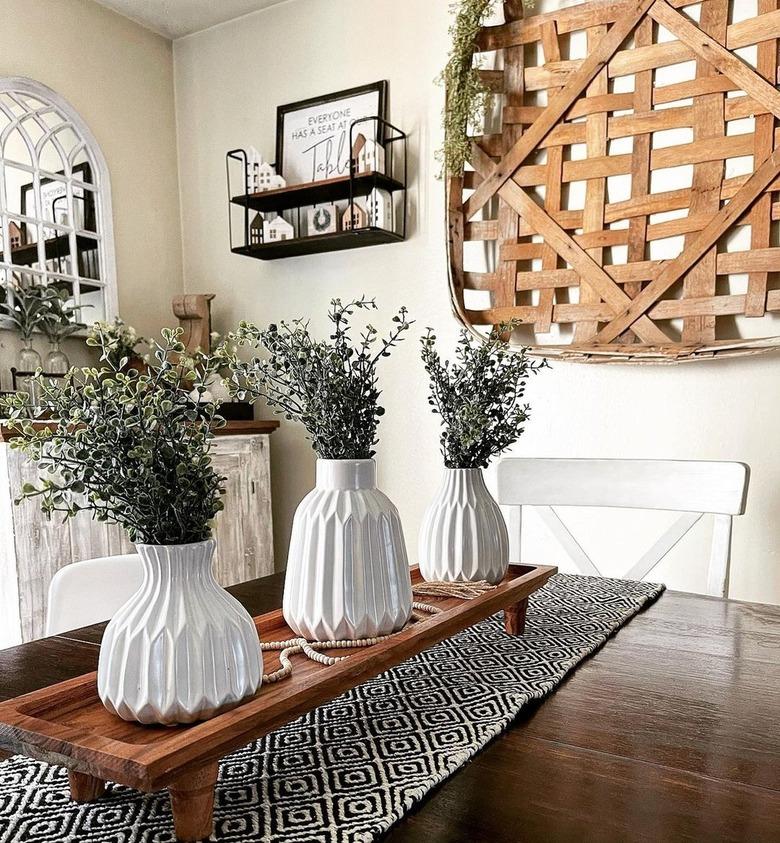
(465, 94)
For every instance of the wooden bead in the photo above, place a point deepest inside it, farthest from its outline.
(293, 646)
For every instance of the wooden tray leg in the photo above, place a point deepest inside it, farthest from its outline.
(85, 788)
(514, 617)
(192, 800)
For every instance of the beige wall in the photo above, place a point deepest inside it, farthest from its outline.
(229, 81)
(119, 77)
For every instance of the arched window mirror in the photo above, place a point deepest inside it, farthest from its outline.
(55, 199)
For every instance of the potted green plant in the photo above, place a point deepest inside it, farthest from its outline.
(134, 449)
(119, 341)
(61, 322)
(347, 569)
(479, 400)
(26, 307)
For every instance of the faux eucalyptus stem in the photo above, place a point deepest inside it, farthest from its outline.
(132, 448)
(479, 396)
(330, 386)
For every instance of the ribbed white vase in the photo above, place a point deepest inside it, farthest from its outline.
(181, 649)
(463, 535)
(347, 569)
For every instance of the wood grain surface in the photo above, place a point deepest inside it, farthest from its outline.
(670, 732)
(68, 721)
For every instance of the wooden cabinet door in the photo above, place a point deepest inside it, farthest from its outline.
(33, 548)
(44, 545)
(244, 529)
(254, 508)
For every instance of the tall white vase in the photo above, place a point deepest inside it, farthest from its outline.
(181, 649)
(347, 569)
(463, 535)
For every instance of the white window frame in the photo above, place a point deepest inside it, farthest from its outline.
(101, 186)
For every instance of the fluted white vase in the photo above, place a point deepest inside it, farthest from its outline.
(347, 569)
(181, 649)
(463, 535)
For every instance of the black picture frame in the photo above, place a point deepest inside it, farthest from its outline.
(283, 111)
(87, 257)
(84, 172)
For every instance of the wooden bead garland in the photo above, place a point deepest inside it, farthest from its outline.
(293, 646)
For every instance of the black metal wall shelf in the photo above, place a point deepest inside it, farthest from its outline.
(334, 242)
(344, 189)
(313, 193)
(55, 248)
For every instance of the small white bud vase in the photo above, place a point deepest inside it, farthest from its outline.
(347, 570)
(463, 534)
(181, 649)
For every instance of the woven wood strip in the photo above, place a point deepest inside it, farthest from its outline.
(642, 105)
(644, 267)
(508, 220)
(708, 124)
(761, 220)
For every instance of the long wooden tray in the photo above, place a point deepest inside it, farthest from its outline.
(67, 724)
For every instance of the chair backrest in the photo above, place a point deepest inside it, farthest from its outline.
(693, 488)
(91, 591)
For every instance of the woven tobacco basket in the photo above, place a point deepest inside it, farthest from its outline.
(624, 208)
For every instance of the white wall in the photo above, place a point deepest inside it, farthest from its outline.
(229, 81)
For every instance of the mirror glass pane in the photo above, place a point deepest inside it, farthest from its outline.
(17, 149)
(49, 201)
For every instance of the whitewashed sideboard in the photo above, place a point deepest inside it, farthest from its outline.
(33, 548)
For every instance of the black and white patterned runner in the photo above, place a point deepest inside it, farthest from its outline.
(348, 770)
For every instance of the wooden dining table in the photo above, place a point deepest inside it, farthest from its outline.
(670, 732)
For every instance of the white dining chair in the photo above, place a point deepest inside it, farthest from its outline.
(91, 591)
(692, 488)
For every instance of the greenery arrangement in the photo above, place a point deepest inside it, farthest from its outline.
(330, 386)
(28, 307)
(465, 94)
(479, 396)
(118, 341)
(61, 321)
(134, 449)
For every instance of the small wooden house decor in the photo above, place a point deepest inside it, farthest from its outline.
(353, 217)
(253, 159)
(368, 155)
(15, 236)
(261, 175)
(256, 230)
(277, 229)
(322, 219)
(627, 197)
(379, 209)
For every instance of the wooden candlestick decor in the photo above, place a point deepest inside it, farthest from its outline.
(194, 314)
(609, 195)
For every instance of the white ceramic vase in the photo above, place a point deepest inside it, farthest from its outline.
(181, 649)
(463, 535)
(347, 569)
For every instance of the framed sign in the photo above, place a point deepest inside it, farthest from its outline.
(312, 136)
(54, 201)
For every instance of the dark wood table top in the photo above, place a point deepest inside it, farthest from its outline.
(670, 732)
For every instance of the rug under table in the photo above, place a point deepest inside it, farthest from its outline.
(346, 771)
